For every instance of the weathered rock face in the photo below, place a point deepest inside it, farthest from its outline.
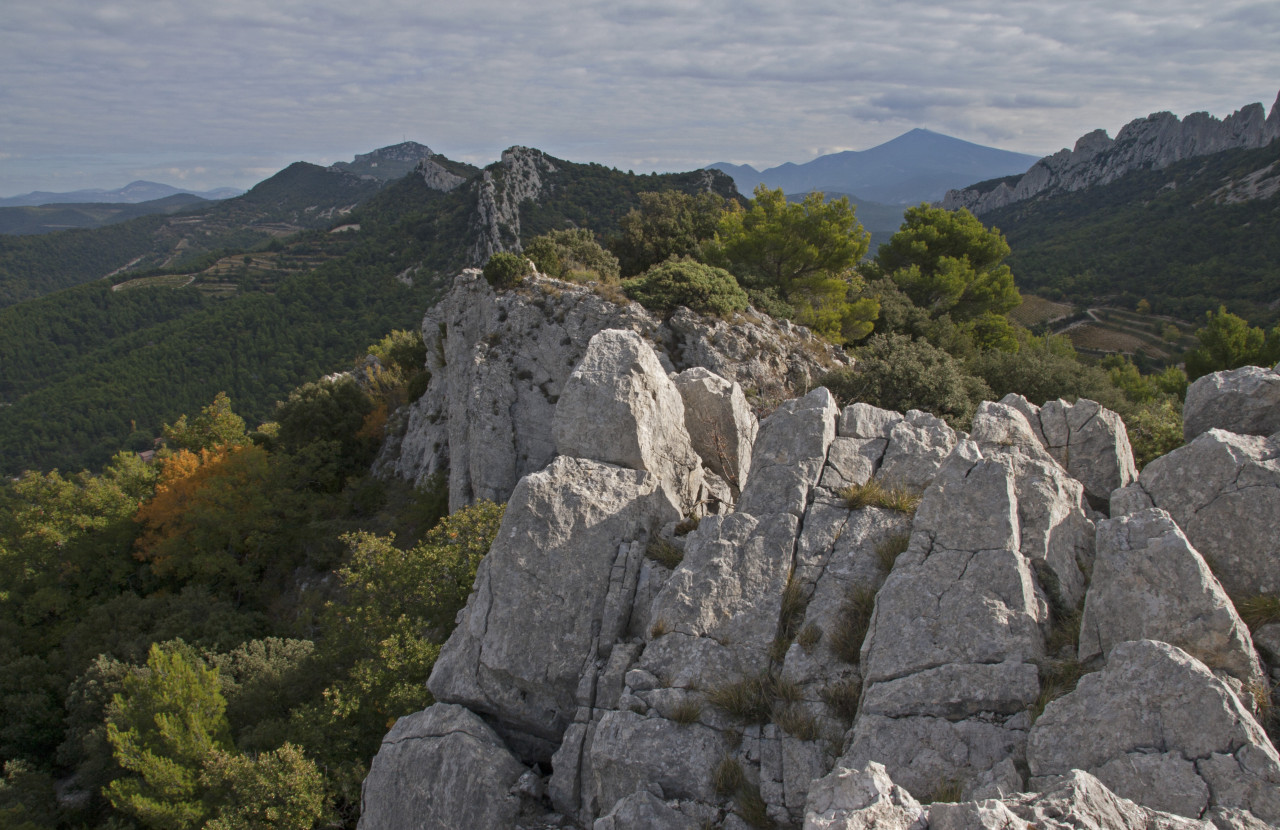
(1149, 583)
(499, 363)
(619, 668)
(1153, 142)
(620, 407)
(497, 220)
(472, 774)
(1156, 726)
(721, 425)
(1245, 401)
(1223, 490)
(552, 595)
(1087, 439)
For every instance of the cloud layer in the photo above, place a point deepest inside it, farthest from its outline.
(96, 92)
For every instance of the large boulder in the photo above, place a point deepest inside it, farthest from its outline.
(552, 594)
(1223, 490)
(620, 407)
(1244, 401)
(861, 799)
(1149, 583)
(721, 425)
(1089, 440)
(1156, 726)
(441, 769)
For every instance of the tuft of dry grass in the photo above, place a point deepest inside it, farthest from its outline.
(875, 494)
(687, 711)
(752, 809)
(888, 551)
(851, 625)
(808, 637)
(842, 698)
(658, 629)
(1057, 678)
(948, 791)
(794, 603)
(728, 777)
(749, 700)
(664, 553)
(1260, 610)
(795, 721)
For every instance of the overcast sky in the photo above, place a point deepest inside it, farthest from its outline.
(97, 93)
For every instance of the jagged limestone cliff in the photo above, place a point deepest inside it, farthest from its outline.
(814, 651)
(1154, 142)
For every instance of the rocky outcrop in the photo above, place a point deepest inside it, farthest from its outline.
(499, 363)
(1087, 439)
(1245, 401)
(881, 619)
(1149, 583)
(1223, 490)
(518, 177)
(1156, 726)
(1149, 143)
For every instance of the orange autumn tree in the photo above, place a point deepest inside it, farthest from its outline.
(209, 518)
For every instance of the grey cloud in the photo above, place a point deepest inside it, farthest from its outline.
(666, 84)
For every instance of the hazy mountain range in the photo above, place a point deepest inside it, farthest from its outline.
(917, 166)
(132, 193)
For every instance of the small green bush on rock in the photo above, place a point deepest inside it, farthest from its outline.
(678, 282)
(504, 270)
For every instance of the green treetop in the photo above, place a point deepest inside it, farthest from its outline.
(948, 262)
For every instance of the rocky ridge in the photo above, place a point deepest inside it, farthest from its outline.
(817, 647)
(1152, 143)
(500, 362)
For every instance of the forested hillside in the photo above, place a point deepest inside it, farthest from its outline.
(94, 370)
(1195, 235)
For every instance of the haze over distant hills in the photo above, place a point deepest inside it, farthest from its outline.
(132, 193)
(917, 166)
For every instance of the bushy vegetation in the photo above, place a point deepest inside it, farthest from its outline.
(572, 254)
(703, 288)
(221, 639)
(505, 270)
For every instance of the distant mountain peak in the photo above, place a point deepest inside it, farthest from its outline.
(918, 166)
(386, 163)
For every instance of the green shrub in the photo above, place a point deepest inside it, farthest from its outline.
(504, 270)
(899, 373)
(572, 254)
(675, 283)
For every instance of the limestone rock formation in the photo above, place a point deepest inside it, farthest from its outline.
(1153, 142)
(1149, 583)
(1156, 726)
(1244, 401)
(619, 407)
(472, 774)
(499, 363)
(1223, 490)
(828, 649)
(721, 425)
(1089, 440)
